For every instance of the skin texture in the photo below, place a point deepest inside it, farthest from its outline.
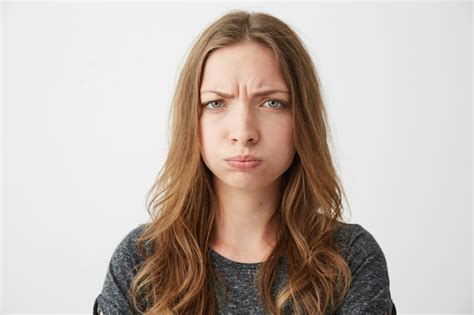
(244, 123)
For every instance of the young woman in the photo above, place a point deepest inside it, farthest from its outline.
(246, 211)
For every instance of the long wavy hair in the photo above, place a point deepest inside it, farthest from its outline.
(177, 275)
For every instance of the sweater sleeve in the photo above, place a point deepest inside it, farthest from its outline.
(114, 297)
(369, 292)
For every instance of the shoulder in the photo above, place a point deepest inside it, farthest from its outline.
(127, 249)
(359, 245)
(355, 239)
(121, 270)
(369, 292)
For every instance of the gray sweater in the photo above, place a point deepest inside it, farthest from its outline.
(369, 292)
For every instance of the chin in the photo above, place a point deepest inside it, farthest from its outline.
(254, 183)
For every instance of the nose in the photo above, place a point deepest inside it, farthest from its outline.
(243, 128)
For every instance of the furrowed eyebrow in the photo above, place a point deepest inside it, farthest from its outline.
(261, 93)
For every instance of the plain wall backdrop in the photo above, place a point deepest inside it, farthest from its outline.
(86, 95)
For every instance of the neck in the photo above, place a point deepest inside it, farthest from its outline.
(244, 219)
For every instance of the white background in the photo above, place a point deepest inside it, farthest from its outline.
(86, 93)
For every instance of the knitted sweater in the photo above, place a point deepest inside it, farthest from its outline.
(369, 292)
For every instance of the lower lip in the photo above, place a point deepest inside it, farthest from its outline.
(244, 165)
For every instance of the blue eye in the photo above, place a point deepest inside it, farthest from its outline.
(212, 107)
(277, 102)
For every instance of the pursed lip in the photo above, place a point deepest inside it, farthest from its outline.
(243, 158)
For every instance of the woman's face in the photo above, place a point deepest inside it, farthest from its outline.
(242, 122)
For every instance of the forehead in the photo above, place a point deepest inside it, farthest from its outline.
(245, 64)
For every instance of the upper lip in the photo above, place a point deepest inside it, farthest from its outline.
(243, 158)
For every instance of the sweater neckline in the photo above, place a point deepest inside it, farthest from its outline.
(233, 263)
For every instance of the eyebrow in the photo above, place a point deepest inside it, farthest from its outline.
(261, 93)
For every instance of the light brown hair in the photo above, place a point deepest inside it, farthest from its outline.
(177, 276)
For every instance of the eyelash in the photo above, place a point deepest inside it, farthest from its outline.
(281, 102)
